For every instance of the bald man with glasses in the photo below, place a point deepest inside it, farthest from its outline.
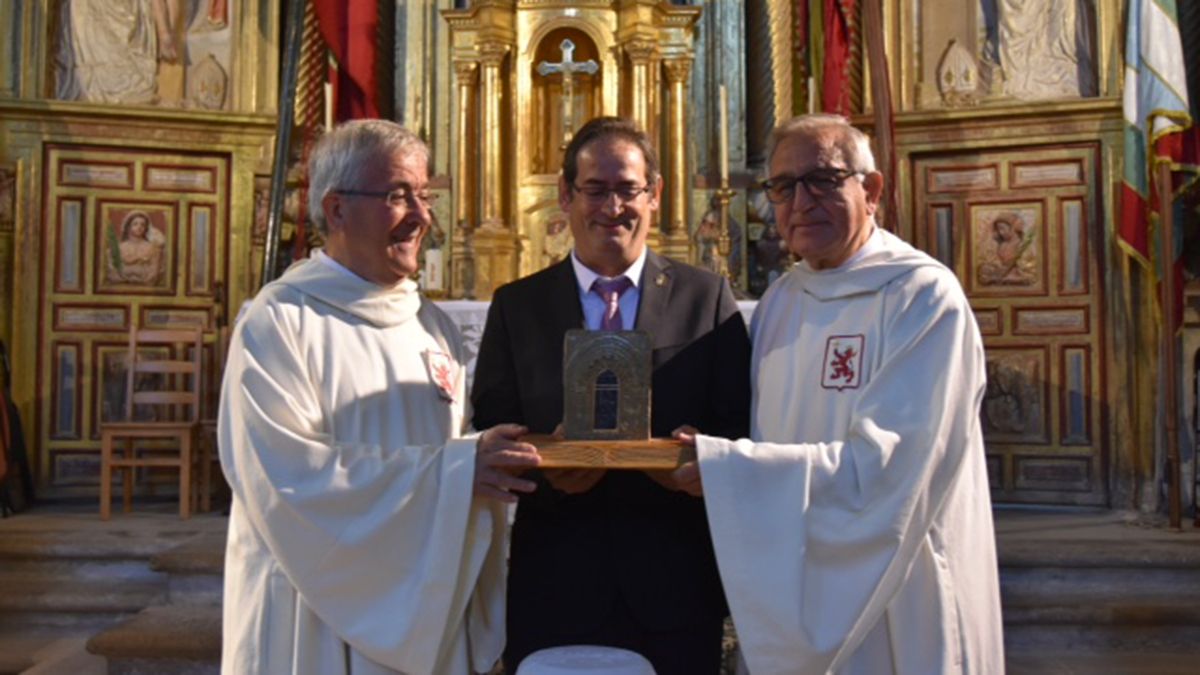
(618, 558)
(853, 529)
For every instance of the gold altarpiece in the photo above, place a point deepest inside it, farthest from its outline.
(511, 121)
(126, 200)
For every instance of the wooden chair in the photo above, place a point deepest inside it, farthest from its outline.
(169, 389)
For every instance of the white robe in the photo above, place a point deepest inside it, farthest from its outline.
(354, 544)
(856, 536)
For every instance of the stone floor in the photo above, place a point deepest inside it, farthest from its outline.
(153, 527)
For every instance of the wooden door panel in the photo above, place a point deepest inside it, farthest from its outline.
(1020, 229)
(132, 236)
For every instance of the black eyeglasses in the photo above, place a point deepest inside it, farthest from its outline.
(401, 196)
(598, 194)
(818, 183)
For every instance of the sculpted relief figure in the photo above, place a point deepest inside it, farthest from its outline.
(172, 53)
(1008, 260)
(109, 50)
(1041, 49)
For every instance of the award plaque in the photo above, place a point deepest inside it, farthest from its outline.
(606, 407)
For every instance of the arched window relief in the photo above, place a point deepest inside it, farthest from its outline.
(604, 415)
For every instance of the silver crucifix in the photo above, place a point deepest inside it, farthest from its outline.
(568, 67)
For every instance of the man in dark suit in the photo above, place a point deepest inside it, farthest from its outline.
(619, 558)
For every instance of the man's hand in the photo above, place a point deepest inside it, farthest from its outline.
(499, 457)
(571, 481)
(686, 478)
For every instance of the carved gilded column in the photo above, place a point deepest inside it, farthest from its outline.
(491, 57)
(642, 54)
(494, 244)
(675, 230)
(462, 262)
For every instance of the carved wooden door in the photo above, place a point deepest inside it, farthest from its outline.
(1021, 228)
(130, 236)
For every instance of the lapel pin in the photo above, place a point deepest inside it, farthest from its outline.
(660, 280)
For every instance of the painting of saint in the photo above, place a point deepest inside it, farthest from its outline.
(135, 252)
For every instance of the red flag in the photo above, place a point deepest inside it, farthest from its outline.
(840, 30)
(1158, 131)
(351, 30)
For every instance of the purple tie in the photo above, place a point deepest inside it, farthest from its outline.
(610, 292)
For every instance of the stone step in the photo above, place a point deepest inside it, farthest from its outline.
(1130, 593)
(92, 545)
(1102, 638)
(26, 647)
(91, 569)
(195, 570)
(164, 640)
(1101, 595)
(1085, 553)
(54, 601)
(67, 655)
(1100, 663)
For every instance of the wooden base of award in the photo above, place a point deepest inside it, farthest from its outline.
(650, 454)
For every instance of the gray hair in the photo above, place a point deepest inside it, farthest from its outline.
(339, 157)
(853, 144)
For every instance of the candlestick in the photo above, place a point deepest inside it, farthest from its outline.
(723, 134)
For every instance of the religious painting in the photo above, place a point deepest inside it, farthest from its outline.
(170, 53)
(1006, 251)
(135, 246)
(706, 239)
(1014, 404)
(767, 255)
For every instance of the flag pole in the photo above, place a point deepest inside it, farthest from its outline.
(881, 103)
(1166, 229)
(283, 135)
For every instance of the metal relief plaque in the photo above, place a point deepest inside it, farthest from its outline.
(606, 385)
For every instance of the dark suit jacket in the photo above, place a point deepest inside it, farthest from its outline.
(628, 537)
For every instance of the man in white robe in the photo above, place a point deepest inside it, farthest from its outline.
(854, 532)
(355, 546)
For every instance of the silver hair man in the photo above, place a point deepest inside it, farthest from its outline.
(340, 155)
